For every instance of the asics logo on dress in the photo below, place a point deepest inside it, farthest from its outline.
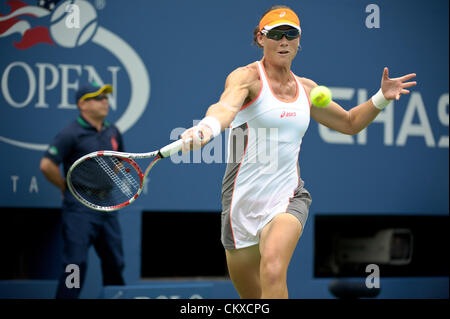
(287, 114)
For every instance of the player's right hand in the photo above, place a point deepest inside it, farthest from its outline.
(196, 137)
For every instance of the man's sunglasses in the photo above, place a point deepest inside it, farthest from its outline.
(99, 97)
(290, 34)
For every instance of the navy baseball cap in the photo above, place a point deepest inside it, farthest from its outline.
(92, 90)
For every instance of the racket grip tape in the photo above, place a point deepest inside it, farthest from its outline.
(175, 147)
(170, 149)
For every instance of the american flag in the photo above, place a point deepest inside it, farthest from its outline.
(32, 33)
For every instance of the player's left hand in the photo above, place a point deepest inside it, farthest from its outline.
(395, 87)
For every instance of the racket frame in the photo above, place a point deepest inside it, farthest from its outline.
(164, 152)
(128, 157)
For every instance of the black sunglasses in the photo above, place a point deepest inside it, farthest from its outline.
(99, 97)
(290, 34)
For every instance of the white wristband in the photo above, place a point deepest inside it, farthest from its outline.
(379, 101)
(213, 124)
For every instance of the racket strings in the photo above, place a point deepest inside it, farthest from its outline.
(126, 183)
(129, 177)
(105, 181)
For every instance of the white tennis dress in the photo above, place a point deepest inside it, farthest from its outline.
(262, 177)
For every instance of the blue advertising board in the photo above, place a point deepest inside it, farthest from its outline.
(168, 61)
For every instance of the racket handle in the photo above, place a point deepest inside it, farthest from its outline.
(175, 147)
(172, 148)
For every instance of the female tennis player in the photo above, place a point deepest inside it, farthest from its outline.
(265, 205)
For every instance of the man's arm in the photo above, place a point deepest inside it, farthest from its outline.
(52, 173)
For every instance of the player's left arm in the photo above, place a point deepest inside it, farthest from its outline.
(359, 117)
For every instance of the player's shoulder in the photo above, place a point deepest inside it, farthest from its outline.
(249, 69)
(308, 84)
(244, 75)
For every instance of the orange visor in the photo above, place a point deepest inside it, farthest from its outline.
(279, 17)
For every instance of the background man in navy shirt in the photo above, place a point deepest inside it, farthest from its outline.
(83, 227)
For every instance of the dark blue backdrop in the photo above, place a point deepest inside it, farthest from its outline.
(168, 61)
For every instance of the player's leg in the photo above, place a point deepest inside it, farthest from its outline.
(278, 241)
(243, 267)
(108, 245)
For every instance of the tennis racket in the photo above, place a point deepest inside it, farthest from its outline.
(107, 181)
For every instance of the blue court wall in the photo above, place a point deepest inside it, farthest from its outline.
(168, 61)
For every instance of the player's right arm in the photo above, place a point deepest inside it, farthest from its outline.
(52, 172)
(240, 85)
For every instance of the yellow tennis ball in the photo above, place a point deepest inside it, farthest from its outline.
(320, 96)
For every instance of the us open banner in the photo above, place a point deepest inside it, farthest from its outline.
(168, 61)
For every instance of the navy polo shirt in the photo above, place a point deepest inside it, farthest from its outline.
(80, 138)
